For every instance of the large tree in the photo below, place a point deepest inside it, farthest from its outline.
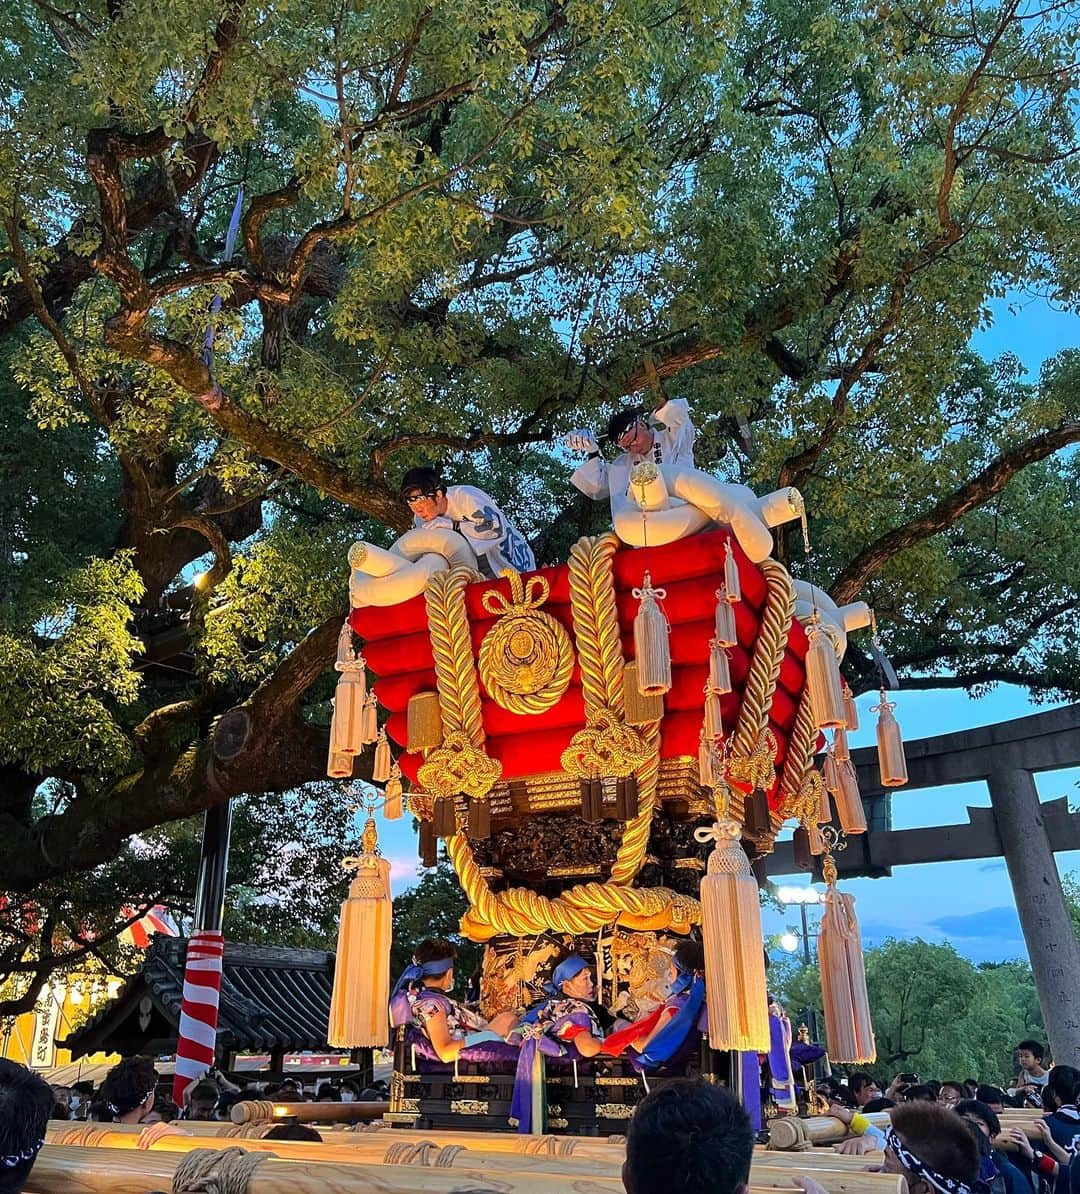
(465, 228)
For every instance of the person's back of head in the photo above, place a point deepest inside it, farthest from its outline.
(1063, 1085)
(920, 1094)
(992, 1096)
(932, 1143)
(127, 1086)
(25, 1104)
(688, 1138)
(882, 1104)
(328, 1094)
(202, 1101)
(294, 1132)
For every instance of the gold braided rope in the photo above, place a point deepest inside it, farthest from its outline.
(596, 623)
(768, 656)
(802, 744)
(583, 909)
(630, 856)
(451, 645)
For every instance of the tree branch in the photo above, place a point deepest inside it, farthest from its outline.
(979, 490)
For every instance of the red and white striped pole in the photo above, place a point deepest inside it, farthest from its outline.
(197, 1034)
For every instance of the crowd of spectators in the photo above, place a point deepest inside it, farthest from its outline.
(942, 1137)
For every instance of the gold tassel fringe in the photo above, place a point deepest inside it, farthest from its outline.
(823, 680)
(639, 710)
(652, 650)
(425, 730)
(890, 744)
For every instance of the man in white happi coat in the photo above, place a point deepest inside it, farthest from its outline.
(666, 437)
(473, 514)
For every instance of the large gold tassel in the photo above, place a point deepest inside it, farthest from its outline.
(848, 1030)
(652, 650)
(425, 728)
(823, 680)
(732, 584)
(851, 709)
(639, 709)
(849, 805)
(714, 725)
(393, 802)
(358, 1005)
(369, 722)
(719, 669)
(734, 953)
(727, 635)
(380, 769)
(338, 766)
(890, 745)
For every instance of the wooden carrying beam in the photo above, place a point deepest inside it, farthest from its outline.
(262, 1110)
(331, 1168)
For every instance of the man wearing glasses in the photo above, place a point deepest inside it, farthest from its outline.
(665, 437)
(473, 514)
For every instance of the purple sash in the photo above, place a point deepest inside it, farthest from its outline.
(538, 1040)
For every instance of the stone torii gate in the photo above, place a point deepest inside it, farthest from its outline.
(1005, 756)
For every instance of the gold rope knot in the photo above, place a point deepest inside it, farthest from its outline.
(608, 746)
(757, 769)
(806, 801)
(526, 659)
(458, 767)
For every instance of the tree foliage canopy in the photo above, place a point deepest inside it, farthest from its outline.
(466, 227)
(935, 1012)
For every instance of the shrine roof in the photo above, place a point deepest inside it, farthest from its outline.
(272, 997)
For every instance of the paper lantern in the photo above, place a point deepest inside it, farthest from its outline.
(823, 680)
(652, 650)
(361, 995)
(735, 988)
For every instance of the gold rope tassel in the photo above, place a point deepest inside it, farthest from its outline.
(840, 746)
(823, 679)
(425, 727)
(849, 805)
(719, 669)
(346, 725)
(358, 1005)
(639, 710)
(848, 1030)
(393, 806)
(732, 584)
(380, 769)
(369, 721)
(890, 745)
(652, 651)
(726, 633)
(851, 709)
(734, 954)
(830, 782)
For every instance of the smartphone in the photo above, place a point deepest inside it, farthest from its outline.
(910, 1079)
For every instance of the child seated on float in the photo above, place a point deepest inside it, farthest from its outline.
(567, 1015)
(420, 997)
(657, 1036)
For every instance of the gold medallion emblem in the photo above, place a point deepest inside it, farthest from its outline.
(526, 658)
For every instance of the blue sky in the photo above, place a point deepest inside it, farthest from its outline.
(968, 903)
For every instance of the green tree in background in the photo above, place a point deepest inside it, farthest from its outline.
(934, 1012)
(433, 908)
(464, 230)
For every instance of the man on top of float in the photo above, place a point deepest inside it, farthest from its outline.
(471, 513)
(665, 437)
